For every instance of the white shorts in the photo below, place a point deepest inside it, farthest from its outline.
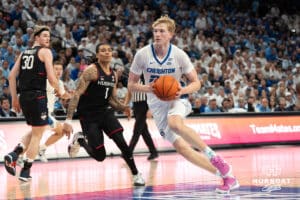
(162, 110)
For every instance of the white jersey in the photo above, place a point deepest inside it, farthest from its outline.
(51, 95)
(175, 63)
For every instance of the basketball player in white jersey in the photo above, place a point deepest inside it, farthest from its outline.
(55, 126)
(163, 58)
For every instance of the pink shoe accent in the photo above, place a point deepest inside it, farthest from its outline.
(230, 183)
(221, 165)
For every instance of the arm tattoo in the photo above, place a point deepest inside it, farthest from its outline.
(116, 104)
(86, 77)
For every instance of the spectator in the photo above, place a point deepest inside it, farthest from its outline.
(121, 92)
(69, 83)
(5, 69)
(212, 106)
(281, 106)
(5, 110)
(263, 106)
(204, 104)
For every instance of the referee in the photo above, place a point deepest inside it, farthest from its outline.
(140, 109)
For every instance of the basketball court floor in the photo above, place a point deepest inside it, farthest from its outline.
(270, 172)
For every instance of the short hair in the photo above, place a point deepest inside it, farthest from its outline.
(39, 29)
(100, 44)
(57, 62)
(166, 20)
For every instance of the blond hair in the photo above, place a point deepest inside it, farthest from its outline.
(166, 20)
(39, 29)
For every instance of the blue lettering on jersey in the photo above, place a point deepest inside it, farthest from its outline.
(161, 71)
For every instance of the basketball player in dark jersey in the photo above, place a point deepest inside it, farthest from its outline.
(93, 99)
(32, 68)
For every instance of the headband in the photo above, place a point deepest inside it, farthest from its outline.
(42, 29)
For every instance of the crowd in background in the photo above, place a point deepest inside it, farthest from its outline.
(246, 53)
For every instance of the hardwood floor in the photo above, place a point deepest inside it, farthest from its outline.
(271, 172)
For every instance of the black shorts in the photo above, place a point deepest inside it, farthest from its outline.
(105, 121)
(34, 107)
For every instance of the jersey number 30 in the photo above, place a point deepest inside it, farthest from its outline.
(28, 62)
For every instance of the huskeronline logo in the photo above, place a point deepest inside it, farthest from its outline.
(207, 130)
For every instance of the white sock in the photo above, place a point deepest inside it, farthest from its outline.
(209, 152)
(43, 146)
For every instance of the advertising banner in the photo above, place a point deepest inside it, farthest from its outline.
(217, 131)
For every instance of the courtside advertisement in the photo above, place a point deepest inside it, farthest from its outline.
(219, 131)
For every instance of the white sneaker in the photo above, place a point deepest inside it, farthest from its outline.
(138, 180)
(74, 147)
(42, 155)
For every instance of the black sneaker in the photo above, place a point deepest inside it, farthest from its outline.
(25, 172)
(152, 156)
(10, 163)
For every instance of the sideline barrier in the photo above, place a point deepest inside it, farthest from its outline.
(230, 130)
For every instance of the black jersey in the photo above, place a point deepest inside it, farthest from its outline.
(33, 73)
(95, 98)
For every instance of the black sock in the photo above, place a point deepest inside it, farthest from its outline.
(18, 149)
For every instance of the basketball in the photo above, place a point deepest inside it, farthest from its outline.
(166, 87)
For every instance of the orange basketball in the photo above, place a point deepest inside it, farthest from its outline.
(165, 87)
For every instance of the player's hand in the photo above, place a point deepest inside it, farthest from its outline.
(67, 129)
(151, 85)
(179, 92)
(127, 112)
(16, 105)
(58, 93)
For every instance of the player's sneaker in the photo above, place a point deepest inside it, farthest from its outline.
(152, 156)
(221, 165)
(138, 180)
(230, 183)
(10, 163)
(25, 172)
(20, 161)
(74, 147)
(42, 154)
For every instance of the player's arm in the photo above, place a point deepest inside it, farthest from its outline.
(134, 85)
(88, 75)
(194, 83)
(13, 84)
(45, 55)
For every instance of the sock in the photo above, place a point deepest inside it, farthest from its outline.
(209, 152)
(29, 160)
(19, 149)
(27, 164)
(218, 173)
(43, 146)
